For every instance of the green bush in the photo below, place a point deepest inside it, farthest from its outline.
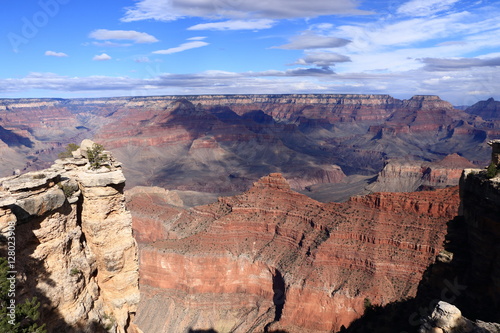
(492, 170)
(96, 156)
(68, 152)
(27, 313)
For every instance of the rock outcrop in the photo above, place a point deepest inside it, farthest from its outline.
(74, 244)
(447, 318)
(410, 176)
(272, 259)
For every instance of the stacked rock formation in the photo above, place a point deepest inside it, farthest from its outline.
(74, 244)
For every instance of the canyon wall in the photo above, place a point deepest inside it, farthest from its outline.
(272, 259)
(74, 248)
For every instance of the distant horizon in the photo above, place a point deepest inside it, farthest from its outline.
(215, 94)
(448, 48)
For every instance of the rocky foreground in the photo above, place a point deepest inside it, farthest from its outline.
(74, 248)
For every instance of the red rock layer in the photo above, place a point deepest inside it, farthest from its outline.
(274, 258)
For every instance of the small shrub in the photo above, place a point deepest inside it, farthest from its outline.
(367, 303)
(96, 156)
(67, 189)
(68, 152)
(111, 321)
(75, 271)
(492, 170)
(39, 176)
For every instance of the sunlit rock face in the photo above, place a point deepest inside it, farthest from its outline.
(74, 246)
(272, 258)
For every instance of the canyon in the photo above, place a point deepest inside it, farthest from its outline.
(224, 143)
(231, 237)
(267, 260)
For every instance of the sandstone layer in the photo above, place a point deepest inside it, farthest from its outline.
(74, 246)
(272, 258)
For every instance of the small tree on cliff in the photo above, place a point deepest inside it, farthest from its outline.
(492, 170)
(69, 149)
(96, 156)
(24, 319)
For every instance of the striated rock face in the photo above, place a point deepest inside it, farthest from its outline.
(411, 176)
(74, 245)
(272, 258)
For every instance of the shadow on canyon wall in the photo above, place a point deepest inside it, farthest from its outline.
(445, 280)
(31, 272)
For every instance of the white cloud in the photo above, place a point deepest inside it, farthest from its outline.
(182, 47)
(311, 40)
(197, 38)
(235, 25)
(420, 8)
(137, 37)
(169, 10)
(101, 57)
(55, 54)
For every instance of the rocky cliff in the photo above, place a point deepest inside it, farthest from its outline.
(74, 248)
(272, 258)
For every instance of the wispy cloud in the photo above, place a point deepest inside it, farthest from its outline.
(135, 36)
(311, 40)
(55, 54)
(101, 57)
(142, 60)
(235, 25)
(182, 47)
(425, 7)
(443, 64)
(167, 10)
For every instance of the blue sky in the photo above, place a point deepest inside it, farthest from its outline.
(74, 48)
